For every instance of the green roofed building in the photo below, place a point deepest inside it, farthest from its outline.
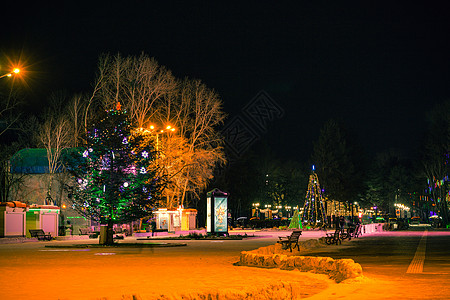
(30, 166)
(30, 161)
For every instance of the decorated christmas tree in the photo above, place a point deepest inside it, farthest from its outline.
(116, 179)
(313, 210)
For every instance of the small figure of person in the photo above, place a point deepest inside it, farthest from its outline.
(153, 227)
(341, 222)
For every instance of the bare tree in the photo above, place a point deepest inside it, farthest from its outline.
(197, 111)
(74, 112)
(152, 95)
(98, 86)
(9, 114)
(10, 180)
(138, 83)
(436, 156)
(54, 136)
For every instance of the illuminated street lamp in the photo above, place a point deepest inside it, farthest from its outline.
(401, 210)
(255, 210)
(152, 130)
(168, 129)
(15, 71)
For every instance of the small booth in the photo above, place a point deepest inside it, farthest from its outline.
(45, 217)
(12, 219)
(175, 219)
(188, 219)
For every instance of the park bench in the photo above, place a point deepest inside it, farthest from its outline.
(154, 231)
(347, 234)
(88, 231)
(290, 241)
(40, 235)
(333, 238)
(352, 232)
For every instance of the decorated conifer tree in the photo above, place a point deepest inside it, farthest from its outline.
(116, 179)
(313, 210)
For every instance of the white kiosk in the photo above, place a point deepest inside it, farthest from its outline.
(45, 217)
(175, 219)
(12, 219)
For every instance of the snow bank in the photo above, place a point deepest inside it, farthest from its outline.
(280, 290)
(274, 256)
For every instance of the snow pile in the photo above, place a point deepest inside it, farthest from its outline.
(278, 290)
(274, 256)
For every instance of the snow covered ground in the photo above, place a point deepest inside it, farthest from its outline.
(199, 270)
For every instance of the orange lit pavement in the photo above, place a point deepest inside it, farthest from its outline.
(33, 271)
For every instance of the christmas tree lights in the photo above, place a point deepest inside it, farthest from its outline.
(313, 210)
(117, 178)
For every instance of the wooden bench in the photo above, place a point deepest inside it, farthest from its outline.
(347, 234)
(358, 231)
(288, 241)
(156, 230)
(40, 235)
(333, 238)
(352, 232)
(88, 231)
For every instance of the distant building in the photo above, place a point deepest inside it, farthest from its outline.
(32, 167)
(33, 164)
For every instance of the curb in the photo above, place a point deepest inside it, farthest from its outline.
(118, 245)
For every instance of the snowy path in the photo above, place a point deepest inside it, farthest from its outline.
(35, 272)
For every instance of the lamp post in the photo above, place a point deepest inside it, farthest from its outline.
(256, 209)
(168, 129)
(268, 211)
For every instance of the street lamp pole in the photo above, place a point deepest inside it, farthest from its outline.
(168, 129)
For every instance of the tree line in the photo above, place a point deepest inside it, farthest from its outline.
(152, 95)
(348, 174)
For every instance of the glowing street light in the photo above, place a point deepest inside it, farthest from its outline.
(15, 71)
(170, 128)
(152, 130)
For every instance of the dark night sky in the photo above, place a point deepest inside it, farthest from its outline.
(377, 66)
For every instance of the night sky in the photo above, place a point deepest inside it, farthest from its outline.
(379, 67)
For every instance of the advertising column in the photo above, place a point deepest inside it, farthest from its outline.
(217, 212)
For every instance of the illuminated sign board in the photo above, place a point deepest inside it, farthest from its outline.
(220, 214)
